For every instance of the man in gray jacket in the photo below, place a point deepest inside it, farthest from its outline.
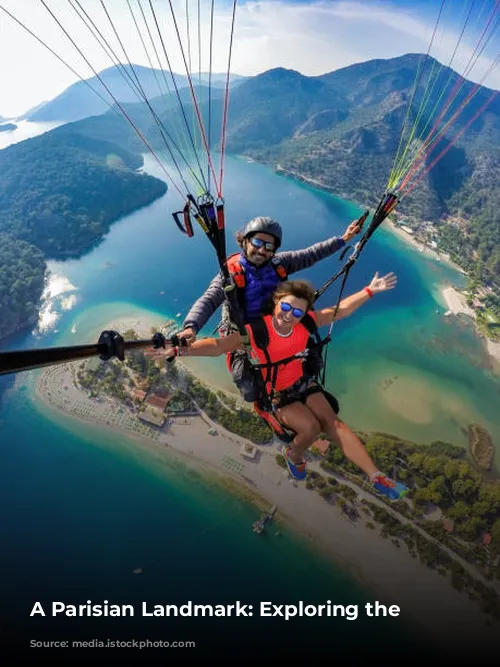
(259, 270)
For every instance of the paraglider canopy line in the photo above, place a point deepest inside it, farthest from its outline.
(420, 143)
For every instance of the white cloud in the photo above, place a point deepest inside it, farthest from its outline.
(313, 38)
(464, 59)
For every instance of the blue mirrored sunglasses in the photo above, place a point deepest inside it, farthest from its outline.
(258, 243)
(296, 312)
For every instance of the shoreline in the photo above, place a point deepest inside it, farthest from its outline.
(492, 347)
(455, 301)
(352, 546)
(420, 247)
(389, 223)
(457, 305)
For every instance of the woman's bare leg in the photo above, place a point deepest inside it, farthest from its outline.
(351, 445)
(300, 418)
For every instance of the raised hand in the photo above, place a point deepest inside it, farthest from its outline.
(383, 284)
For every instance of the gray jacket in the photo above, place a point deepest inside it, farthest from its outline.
(292, 261)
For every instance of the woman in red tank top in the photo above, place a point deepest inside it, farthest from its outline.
(300, 403)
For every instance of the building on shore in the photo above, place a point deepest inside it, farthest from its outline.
(158, 402)
(153, 416)
(154, 412)
(449, 525)
(320, 446)
(407, 229)
(249, 451)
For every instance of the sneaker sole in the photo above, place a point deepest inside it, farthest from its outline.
(283, 453)
(392, 500)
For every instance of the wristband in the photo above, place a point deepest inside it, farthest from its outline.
(369, 292)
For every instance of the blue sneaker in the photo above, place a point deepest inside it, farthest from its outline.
(389, 488)
(297, 470)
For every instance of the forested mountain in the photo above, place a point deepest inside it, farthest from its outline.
(276, 105)
(341, 131)
(352, 155)
(22, 273)
(32, 111)
(59, 194)
(80, 99)
(62, 190)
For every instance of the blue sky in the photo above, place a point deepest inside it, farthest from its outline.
(312, 37)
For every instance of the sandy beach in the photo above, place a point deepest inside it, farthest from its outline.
(493, 350)
(456, 302)
(420, 247)
(457, 305)
(388, 570)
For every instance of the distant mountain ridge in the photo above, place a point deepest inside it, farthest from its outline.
(59, 194)
(125, 83)
(32, 111)
(341, 131)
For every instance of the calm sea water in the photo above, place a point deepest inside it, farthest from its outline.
(82, 509)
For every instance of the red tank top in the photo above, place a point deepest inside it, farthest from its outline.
(280, 348)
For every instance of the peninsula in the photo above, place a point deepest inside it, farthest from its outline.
(59, 194)
(445, 535)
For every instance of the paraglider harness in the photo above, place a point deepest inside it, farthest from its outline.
(243, 371)
(238, 275)
(314, 368)
(210, 216)
(315, 355)
(252, 378)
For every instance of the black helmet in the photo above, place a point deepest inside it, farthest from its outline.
(266, 226)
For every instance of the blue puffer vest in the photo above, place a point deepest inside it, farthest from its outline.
(260, 283)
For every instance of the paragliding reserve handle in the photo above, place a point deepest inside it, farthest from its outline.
(362, 219)
(110, 345)
(359, 223)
